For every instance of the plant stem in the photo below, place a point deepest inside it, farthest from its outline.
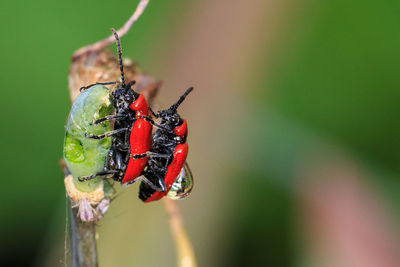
(83, 241)
(121, 32)
(184, 248)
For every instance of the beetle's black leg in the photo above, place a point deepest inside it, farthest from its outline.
(120, 143)
(155, 166)
(107, 134)
(83, 88)
(117, 116)
(147, 118)
(160, 180)
(160, 187)
(87, 178)
(138, 156)
(149, 154)
(152, 113)
(123, 147)
(162, 184)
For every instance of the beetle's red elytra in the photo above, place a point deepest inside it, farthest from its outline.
(139, 140)
(179, 158)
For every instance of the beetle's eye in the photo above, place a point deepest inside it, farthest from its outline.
(182, 186)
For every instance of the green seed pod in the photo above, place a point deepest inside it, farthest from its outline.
(84, 156)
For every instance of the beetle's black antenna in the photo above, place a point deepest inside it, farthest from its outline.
(121, 67)
(175, 106)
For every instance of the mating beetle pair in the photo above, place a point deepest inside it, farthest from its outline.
(135, 155)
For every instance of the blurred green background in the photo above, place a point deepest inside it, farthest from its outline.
(294, 130)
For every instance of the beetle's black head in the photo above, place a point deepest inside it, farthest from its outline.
(170, 117)
(124, 96)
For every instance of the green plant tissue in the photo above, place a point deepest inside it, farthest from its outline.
(85, 156)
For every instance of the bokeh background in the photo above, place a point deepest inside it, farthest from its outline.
(294, 130)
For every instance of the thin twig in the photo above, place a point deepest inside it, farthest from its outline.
(121, 32)
(184, 248)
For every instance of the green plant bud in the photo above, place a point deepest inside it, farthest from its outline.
(85, 156)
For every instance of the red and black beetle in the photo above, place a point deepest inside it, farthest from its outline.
(169, 139)
(132, 134)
